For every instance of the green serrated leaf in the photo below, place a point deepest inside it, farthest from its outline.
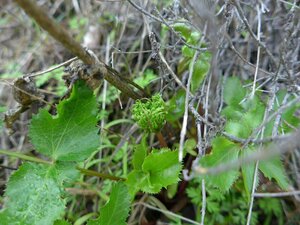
(248, 172)
(273, 169)
(163, 167)
(145, 79)
(244, 118)
(238, 129)
(159, 169)
(34, 196)
(71, 135)
(140, 152)
(223, 151)
(116, 209)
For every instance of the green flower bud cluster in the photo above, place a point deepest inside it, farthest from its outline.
(150, 115)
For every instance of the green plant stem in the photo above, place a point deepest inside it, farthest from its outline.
(25, 157)
(101, 175)
(82, 170)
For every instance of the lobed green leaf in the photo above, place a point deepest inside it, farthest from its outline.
(273, 169)
(71, 135)
(223, 151)
(159, 169)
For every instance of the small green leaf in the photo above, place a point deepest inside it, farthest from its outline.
(159, 169)
(243, 119)
(183, 28)
(140, 152)
(189, 146)
(234, 92)
(146, 78)
(273, 169)
(172, 190)
(137, 180)
(187, 52)
(163, 167)
(71, 135)
(176, 106)
(238, 129)
(201, 68)
(34, 196)
(223, 151)
(116, 209)
(192, 40)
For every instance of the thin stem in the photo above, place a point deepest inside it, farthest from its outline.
(276, 195)
(52, 68)
(258, 50)
(88, 57)
(24, 157)
(186, 109)
(101, 175)
(55, 30)
(166, 212)
(290, 143)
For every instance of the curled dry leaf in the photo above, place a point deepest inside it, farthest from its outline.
(25, 93)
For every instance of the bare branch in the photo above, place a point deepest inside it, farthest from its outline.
(88, 57)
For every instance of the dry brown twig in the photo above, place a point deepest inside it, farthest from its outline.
(98, 68)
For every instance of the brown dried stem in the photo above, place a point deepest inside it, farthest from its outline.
(62, 36)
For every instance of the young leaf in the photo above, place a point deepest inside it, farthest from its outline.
(34, 197)
(176, 106)
(233, 91)
(71, 135)
(138, 180)
(140, 152)
(163, 167)
(189, 147)
(223, 151)
(159, 169)
(183, 28)
(150, 115)
(273, 168)
(201, 68)
(116, 209)
(145, 78)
